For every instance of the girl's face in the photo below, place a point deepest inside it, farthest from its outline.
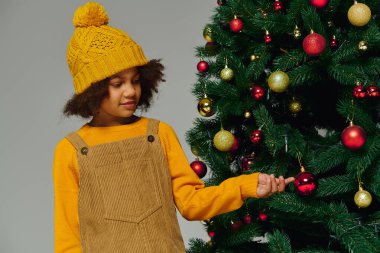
(124, 91)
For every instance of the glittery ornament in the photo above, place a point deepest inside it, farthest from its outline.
(297, 34)
(207, 33)
(236, 25)
(226, 74)
(223, 140)
(362, 198)
(278, 81)
(314, 44)
(359, 14)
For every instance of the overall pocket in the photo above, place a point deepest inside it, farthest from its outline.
(130, 190)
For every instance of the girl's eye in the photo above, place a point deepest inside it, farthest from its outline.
(115, 84)
(136, 81)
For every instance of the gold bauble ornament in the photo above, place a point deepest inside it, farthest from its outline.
(207, 33)
(359, 14)
(223, 140)
(195, 151)
(254, 57)
(297, 33)
(295, 106)
(247, 114)
(226, 74)
(205, 107)
(362, 198)
(363, 46)
(278, 81)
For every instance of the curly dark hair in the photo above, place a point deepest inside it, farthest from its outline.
(87, 103)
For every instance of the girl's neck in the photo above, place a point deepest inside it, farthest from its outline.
(98, 122)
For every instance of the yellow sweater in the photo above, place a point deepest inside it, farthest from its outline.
(192, 198)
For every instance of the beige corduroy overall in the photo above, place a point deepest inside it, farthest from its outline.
(125, 200)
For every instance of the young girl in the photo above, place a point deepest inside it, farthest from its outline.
(118, 179)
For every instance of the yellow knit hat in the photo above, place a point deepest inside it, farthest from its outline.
(97, 51)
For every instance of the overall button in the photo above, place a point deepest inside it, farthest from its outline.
(84, 151)
(151, 138)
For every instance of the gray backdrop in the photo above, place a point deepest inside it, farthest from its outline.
(36, 83)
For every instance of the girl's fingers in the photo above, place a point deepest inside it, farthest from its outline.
(273, 184)
(289, 180)
(281, 184)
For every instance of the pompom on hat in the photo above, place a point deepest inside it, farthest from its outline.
(96, 50)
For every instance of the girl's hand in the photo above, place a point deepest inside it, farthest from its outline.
(268, 185)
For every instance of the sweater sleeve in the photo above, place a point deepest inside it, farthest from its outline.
(66, 184)
(192, 198)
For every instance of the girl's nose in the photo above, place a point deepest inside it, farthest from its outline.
(129, 90)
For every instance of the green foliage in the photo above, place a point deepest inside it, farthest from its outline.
(328, 221)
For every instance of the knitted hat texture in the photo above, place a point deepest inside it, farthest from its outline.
(96, 50)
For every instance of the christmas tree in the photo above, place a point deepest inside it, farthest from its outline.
(290, 87)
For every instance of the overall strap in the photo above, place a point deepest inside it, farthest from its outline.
(78, 142)
(152, 128)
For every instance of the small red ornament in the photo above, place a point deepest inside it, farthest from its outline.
(247, 219)
(373, 91)
(235, 146)
(199, 168)
(314, 44)
(333, 42)
(202, 66)
(257, 92)
(359, 91)
(267, 37)
(236, 25)
(263, 216)
(256, 136)
(353, 137)
(211, 233)
(305, 183)
(235, 225)
(245, 162)
(319, 3)
(277, 5)
(220, 2)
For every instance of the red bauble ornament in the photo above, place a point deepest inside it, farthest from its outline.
(235, 146)
(373, 91)
(314, 44)
(319, 3)
(247, 219)
(202, 66)
(199, 168)
(333, 43)
(220, 2)
(267, 38)
(235, 225)
(245, 162)
(353, 137)
(211, 233)
(236, 25)
(305, 183)
(256, 136)
(359, 91)
(277, 5)
(263, 216)
(257, 92)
